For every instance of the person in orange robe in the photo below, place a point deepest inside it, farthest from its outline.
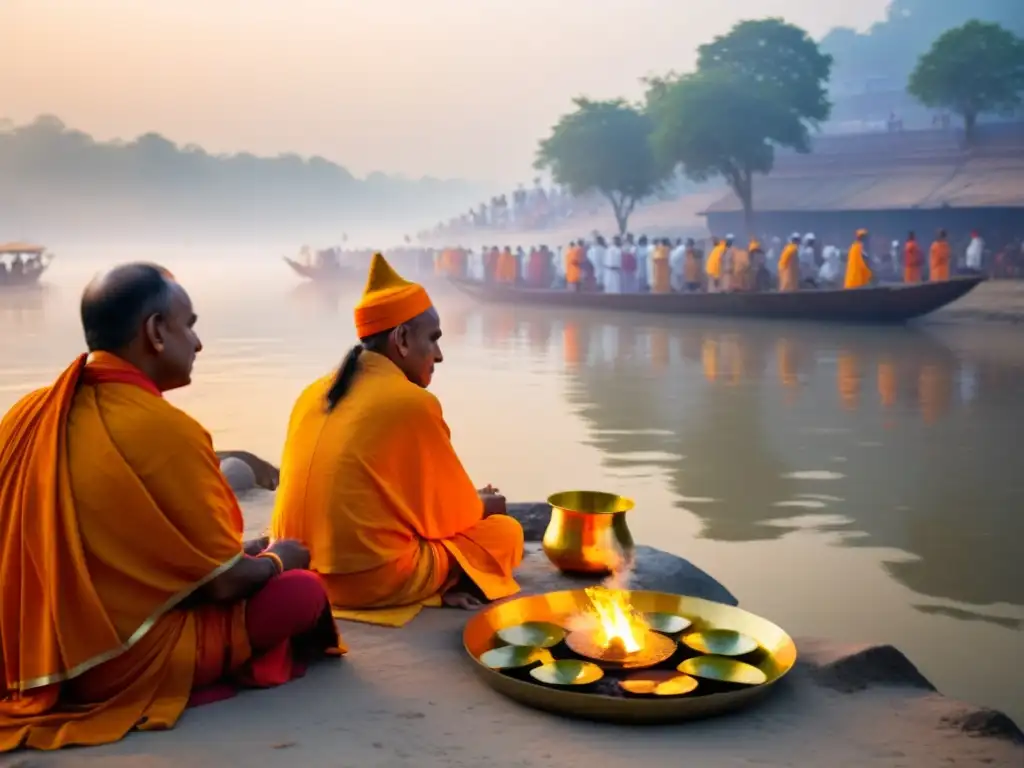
(939, 258)
(127, 591)
(661, 272)
(573, 262)
(858, 273)
(913, 260)
(371, 483)
(536, 269)
(714, 263)
(741, 267)
(789, 265)
(507, 267)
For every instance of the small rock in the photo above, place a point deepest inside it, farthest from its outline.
(986, 723)
(239, 475)
(653, 570)
(848, 669)
(534, 518)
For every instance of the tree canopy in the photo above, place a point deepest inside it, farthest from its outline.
(780, 59)
(971, 70)
(55, 180)
(890, 48)
(604, 146)
(760, 86)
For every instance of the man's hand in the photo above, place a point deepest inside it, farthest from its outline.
(494, 503)
(294, 556)
(267, 475)
(254, 546)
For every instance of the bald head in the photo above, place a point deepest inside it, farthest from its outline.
(116, 304)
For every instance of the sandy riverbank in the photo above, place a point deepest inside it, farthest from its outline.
(998, 301)
(408, 698)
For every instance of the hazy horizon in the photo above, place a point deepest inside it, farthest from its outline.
(411, 89)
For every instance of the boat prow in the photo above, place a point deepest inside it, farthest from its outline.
(319, 273)
(874, 304)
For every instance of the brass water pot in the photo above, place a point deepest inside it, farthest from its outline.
(587, 532)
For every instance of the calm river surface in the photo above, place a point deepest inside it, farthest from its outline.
(862, 484)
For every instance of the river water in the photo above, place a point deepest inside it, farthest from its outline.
(861, 484)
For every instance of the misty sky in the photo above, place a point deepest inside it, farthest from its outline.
(442, 87)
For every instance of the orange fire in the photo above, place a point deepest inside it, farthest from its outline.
(616, 623)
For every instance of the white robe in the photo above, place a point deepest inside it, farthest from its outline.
(975, 251)
(596, 256)
(643, 265)
(832, 270)
(677, 268)
(808, 265)
(613, 270)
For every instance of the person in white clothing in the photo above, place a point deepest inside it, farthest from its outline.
(613, 266)
(975, 252)
(808, 255)
(831, 272)
(643, 254)
(596, 256)
(677, 265)
(630, 265)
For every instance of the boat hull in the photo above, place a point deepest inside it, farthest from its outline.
(876, 304)
(320, 274)
(12, 280)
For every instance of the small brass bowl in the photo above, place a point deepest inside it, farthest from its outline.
(720, 642)
(667, 623)
(514, 657)
(567, 672)
(658, 683)
(533, 634)
(723, 669)
(587, 533)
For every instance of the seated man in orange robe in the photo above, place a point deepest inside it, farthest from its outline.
(370, 481)
(127, 592)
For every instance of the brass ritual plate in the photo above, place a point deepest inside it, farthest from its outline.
(775, 656)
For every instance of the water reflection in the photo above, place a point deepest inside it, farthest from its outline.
(899, 441)
(22, 308)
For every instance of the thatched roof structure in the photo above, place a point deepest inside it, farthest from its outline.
(912, 170)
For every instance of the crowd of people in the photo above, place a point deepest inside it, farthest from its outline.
(626, 264)
(524, 210)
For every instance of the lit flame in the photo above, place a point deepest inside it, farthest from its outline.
(616, 624)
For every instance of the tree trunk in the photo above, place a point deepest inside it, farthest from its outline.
(747, 198)
(622, 208)
(970, 126)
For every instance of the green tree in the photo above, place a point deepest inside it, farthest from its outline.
(604, 146)
(714, 124)
(971, 70)
(780, 59)
(761, 86)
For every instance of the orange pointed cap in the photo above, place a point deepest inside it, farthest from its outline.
(388, 300)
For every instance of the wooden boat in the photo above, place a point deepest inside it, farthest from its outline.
(320, 273)
(22, 264)
(320, 265)
(874, 304)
